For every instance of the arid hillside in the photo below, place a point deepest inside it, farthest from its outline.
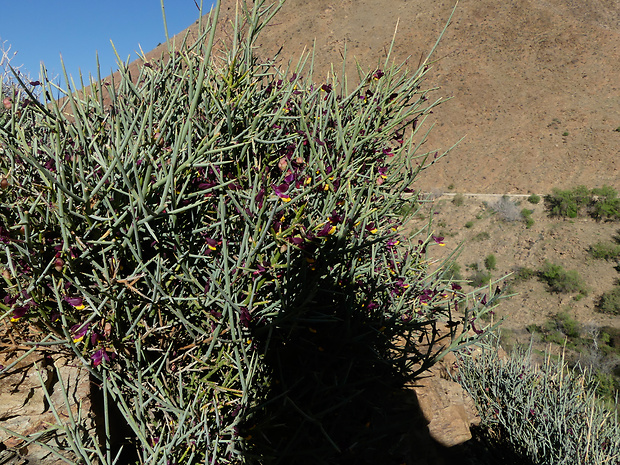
(534, 84)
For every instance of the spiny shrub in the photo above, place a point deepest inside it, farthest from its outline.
(605, 203)
(490, 262)
(527, 217)
(560, 280)
(507, 209)
(534, 198)
(221, 245)
(548, 414)
(609, 302)
(599, 203)
(567, 203)
(458, 199)
(564, 323)
(605, 250)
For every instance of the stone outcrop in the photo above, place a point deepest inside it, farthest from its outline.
(446, 406)
(26, 410)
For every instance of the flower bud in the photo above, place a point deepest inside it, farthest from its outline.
(7, 103)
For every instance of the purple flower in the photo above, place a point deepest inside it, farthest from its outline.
(281, 191)
(262, 268)
(245, 318)
(335, 218)
(371, 228)
(473, 326)
(75, 302)
(78, 331)
(259, 197)
(290, 178)
(427, 296)
(438, 240)
(19, 312)
(378, 74)
(326, 230)
(102, 355)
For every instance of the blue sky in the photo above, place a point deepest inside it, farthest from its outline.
(40, 30)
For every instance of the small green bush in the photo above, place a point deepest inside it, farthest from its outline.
(564, 323)
(469, 224)
(480, 278)
(458, 200)
(453, 271)
(560, 280)
(527, 217)
(523, 273)
(567, 203)
(490, 262)
(483, 236)
(605, 204)
(605, 250)
(599, 203)
(609, 302)
(535, 199)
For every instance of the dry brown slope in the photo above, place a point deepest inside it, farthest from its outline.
(535, 82)
(523, 73)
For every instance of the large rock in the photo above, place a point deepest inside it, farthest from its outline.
(447, 407)
(25, 410)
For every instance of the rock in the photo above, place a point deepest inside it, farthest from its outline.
(21, 392)
(448, 409)
(25, 410)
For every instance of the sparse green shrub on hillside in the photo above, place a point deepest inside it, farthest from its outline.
(453, 271)
(534, 198)
(605, 203)
(527, 217)
(483, 236)
(480, 278)
(567, 203)
(605, 250)
(565, 324)
(524, 273)
(222, 246)
(599, 203)
(458, 200)
(548, 415)
(609, 302)
(490, 262)
(562, 281)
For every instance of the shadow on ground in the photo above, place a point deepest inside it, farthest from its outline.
(338, 393)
